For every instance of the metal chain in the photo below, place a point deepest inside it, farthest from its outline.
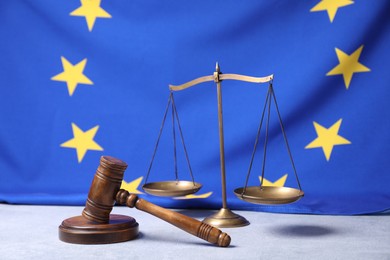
(174, 139)
(182, 139)
(256, 142)
(266, 137)
(158, 138)
(268, 102)
(285, 138)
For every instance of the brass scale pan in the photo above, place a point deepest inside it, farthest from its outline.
(268, 194)
(171, 188)
(254, 194)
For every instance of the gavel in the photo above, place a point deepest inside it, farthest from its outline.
(97, 226)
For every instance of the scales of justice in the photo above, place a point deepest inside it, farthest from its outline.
(261, 194)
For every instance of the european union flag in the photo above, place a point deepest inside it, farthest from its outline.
(82, 79)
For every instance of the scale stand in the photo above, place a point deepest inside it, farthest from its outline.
(224, 217)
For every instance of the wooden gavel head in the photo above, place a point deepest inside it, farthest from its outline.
(105, 185)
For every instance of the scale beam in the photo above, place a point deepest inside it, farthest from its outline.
(221, 77)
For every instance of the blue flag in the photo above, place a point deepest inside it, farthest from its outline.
(82, 79)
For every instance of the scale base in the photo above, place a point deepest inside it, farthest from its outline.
(79, 230)
(225, 218)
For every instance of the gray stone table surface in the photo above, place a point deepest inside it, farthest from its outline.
(31, 232)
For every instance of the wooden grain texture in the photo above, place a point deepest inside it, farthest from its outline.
(188, 224)
(106, 183)
(79, 230)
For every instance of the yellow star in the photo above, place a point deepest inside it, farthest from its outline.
(331, 6)
(193, 196)
(279, 183)
(72, 75)
(327, 138)
(91, 10)
(82, 141)
(132, 186)
(348, 65)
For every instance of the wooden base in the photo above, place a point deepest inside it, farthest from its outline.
(79, 230)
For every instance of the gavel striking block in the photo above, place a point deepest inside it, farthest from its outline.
(97, 226)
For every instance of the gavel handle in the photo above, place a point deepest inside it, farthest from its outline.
(188, 224)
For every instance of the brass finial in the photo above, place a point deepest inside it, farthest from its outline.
(217, 67)
(216, 73)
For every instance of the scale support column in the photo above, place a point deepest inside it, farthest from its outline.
(224, 217)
